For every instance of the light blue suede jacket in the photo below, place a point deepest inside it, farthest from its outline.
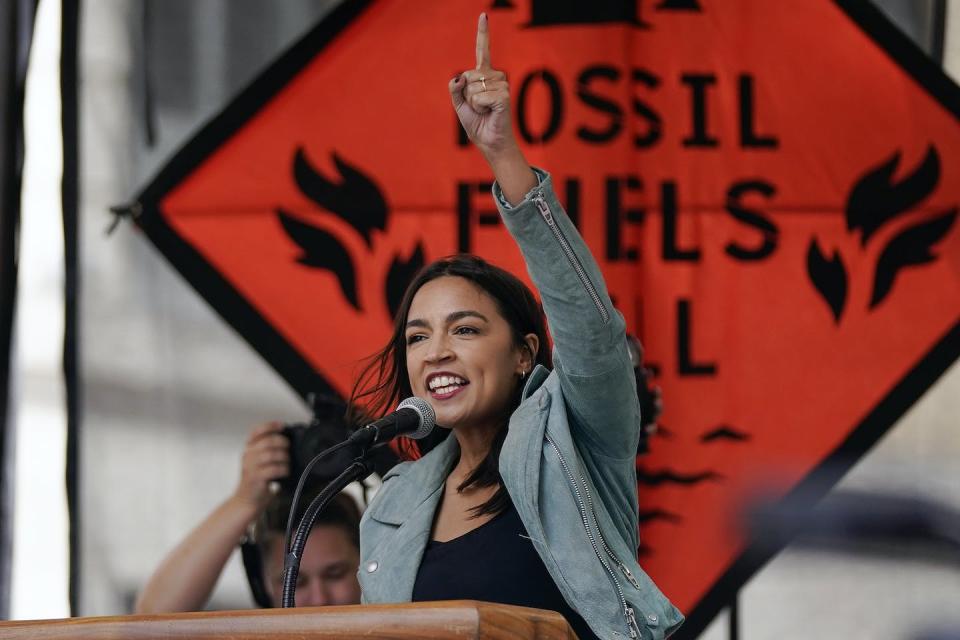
(568, 458)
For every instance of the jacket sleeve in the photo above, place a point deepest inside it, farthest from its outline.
(590, 351)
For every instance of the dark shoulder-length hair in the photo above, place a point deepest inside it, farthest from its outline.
(384, 380)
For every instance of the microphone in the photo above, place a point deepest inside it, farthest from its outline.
(413, 418)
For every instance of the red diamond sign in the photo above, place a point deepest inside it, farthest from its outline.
(766, 186)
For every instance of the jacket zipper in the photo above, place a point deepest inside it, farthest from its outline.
(628, 612)
(624, 569)
(571, 256)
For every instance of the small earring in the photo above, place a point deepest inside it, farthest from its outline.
(523, 375)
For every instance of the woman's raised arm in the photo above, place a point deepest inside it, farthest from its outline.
(590, 351)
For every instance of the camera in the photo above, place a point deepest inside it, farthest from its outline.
(329, 426)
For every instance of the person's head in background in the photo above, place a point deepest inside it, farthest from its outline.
(328, 570)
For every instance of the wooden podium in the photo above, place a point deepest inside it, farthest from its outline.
(433, 620)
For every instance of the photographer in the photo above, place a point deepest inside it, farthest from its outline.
(186, 577)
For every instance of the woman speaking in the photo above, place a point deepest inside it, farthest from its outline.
(533, 500)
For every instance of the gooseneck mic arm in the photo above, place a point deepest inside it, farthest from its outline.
(358, 470)
(414, 418)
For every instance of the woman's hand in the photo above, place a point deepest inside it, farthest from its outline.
(481, 98)
(266, 458)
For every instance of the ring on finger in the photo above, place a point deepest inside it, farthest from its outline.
(483, 83)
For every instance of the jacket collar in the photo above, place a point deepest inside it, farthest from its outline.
(537, 376)
(410, 485)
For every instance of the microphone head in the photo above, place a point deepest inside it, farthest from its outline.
(428, 418)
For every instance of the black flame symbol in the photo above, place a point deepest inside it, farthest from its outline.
(875, 201)
(356, 200)
(321, 250)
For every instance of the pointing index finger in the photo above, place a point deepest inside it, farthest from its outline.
(483, 43)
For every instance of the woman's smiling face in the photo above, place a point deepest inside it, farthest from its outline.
(461, 355)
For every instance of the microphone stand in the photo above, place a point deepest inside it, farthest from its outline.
(360, 468)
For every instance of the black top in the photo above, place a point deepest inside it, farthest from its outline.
(496, 562)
